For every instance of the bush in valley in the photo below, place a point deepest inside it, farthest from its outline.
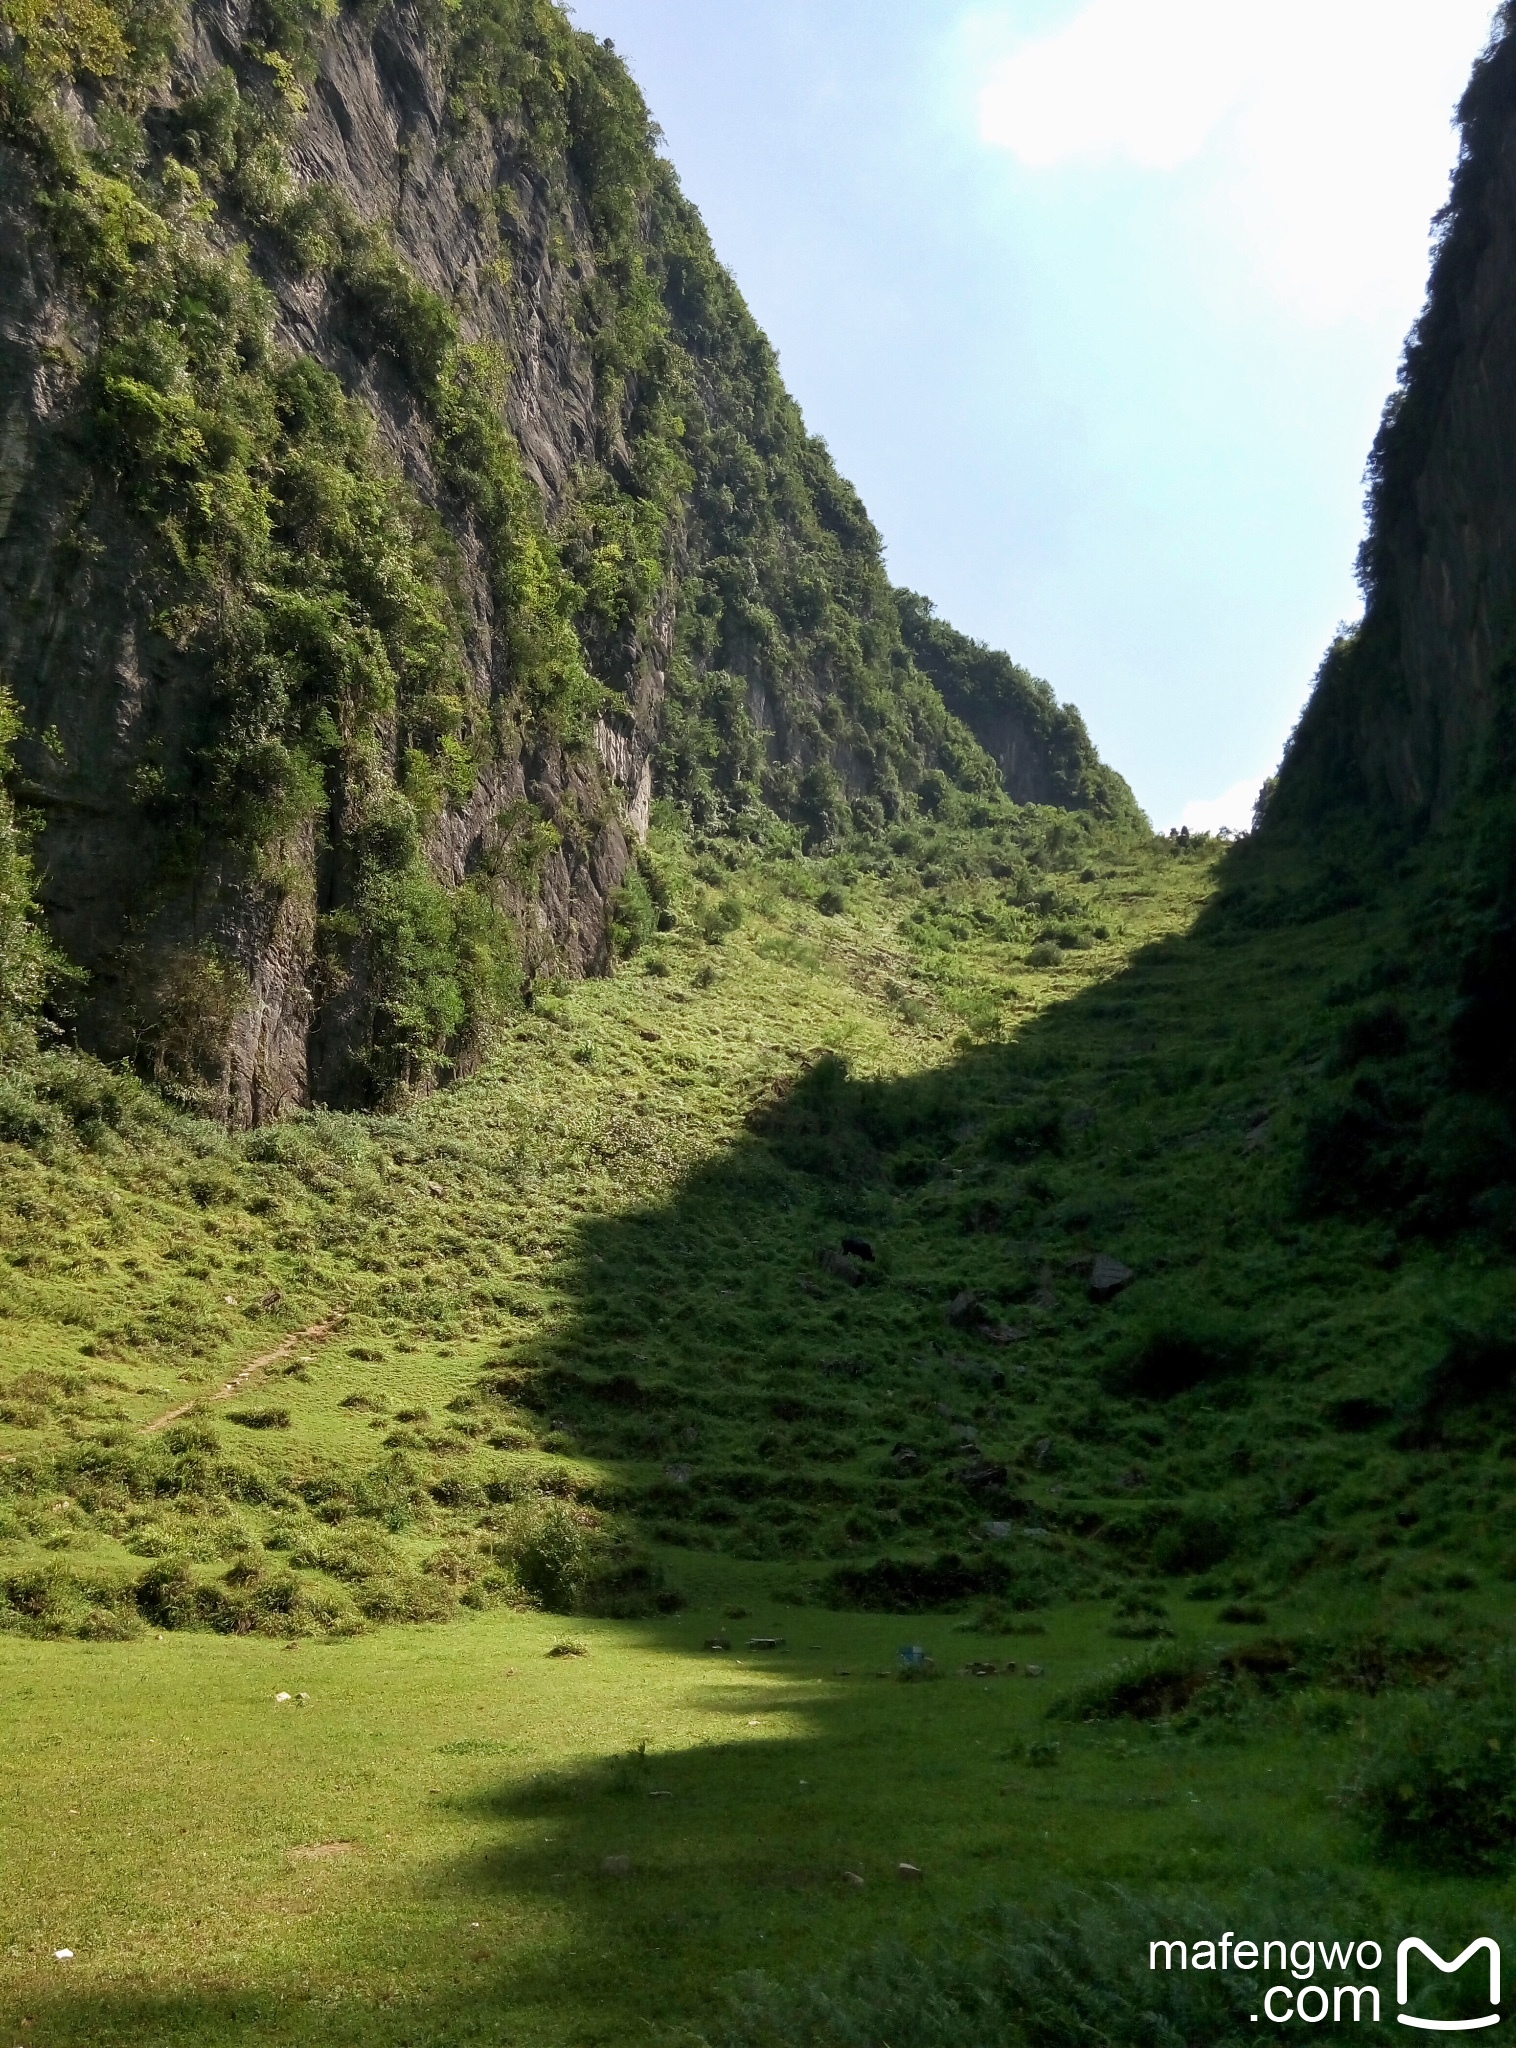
(566, 1558)
(893, 1585)
(1173, 1357)
(1440, 1789)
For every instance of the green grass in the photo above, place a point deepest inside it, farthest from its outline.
(600, 1345)
(164, 1816)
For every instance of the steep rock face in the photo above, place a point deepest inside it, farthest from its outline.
(394, 492)
(209, 957)
(1409, 709)
(1040, 746)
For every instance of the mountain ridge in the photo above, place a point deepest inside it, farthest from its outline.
(396, 491)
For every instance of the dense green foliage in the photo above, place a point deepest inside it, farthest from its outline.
(28, 964)
(1005, 704)
(351, 695)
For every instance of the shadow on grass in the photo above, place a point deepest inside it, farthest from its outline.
(774, 1393)
(872, 1329)
(741, 1854)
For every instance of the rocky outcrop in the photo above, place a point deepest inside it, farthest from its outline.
(1409, 709)
(205, 963)
(394, 493)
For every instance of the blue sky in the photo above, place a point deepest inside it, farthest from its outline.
(1097, 303)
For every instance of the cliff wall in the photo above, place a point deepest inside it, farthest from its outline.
(1412, 709)
(394, 493)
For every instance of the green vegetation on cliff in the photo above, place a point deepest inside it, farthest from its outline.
(381, 625)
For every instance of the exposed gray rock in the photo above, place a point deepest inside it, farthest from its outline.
(1108, 1277)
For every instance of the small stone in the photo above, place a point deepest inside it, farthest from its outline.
(1107, 1278)
(679, 1475)
(272, 1300)
(964, 1310)
(616, 1866)
(63, 1955)
(840, 1266)
(1036, 1671)
(851, 1877)
(997, 1532)
(767, 1642)
(910, 1871)
(717, 1643)
(435, 1189)
(568, 1650)
(1003, 1333)
(983, 1474)
(281, 1699)
(859, 1248)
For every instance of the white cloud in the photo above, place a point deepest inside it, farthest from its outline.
(1232, 809)
(1318, 130)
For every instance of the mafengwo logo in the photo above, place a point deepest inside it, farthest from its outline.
(1342, 2001)
(1403, 1975)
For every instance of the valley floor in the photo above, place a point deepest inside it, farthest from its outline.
(601, 1297)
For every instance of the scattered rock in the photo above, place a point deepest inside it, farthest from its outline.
(717, 1643)
(997, 1532)
(859, 1248)
(281, 1699)
(980, 1670)
(1107, 1277)
(851, 1877)
(653, 1037)
(660, 1795)
(616, 1866)
(679, 1475)
(906, 1456)
(964, 1311)
(840, 1266)
(980, 1474)
(568, 1650)
(767, 1642)
(272, 1299)
(910, 1871)
(63, 1955)
(1036, 1671)
(1002, 1333)
(436, 1190)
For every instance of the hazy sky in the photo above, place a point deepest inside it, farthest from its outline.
(1097, 303)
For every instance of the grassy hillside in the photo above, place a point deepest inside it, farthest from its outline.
(580, 1350)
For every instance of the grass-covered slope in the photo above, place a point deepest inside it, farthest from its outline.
(604, 1350)
(603, 1298)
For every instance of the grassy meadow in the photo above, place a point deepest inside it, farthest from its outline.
(762, 1291)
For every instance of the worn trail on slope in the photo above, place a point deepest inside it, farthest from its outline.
(313, 1335)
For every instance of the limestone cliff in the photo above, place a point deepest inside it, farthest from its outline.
(1412, 709)
(394, 494)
